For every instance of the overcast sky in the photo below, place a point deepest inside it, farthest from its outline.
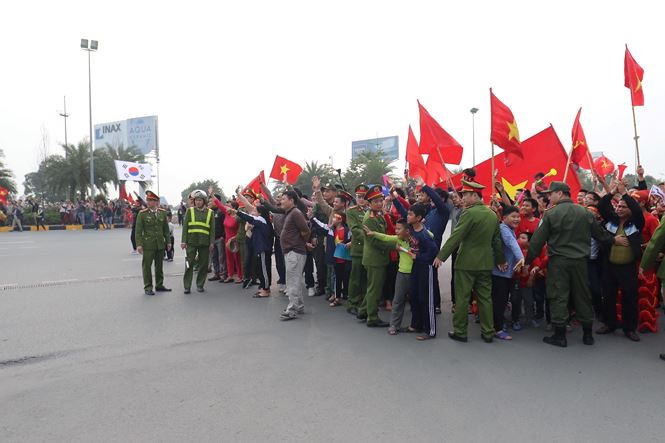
(235, 83)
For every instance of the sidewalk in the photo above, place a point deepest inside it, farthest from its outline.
(65, 227)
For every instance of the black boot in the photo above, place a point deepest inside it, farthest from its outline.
(559, 337)
(587, 338)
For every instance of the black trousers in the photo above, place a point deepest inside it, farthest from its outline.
(309, 270)
(423, 316)
(622, 277)
(320, 262)
(500, 291)
(279, 262)
(132, 237)
(389, 283)
(251, 262)
(595, 269)
(264, 261)
(342, 274)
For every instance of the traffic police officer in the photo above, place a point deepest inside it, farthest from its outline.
(375, 259)
(152, 237)
(358, 277)
(478, 238)
(567, 229)
(198, 237)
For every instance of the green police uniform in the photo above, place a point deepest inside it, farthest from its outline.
(358, 277)
(567, 229)
(375, 259)
(152, 234)
(198, 233)
(478, 238)
(655, 246)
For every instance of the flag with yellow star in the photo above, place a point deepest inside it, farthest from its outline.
(435, 141)
(283, 168)
(580, 153)
(505, 133)
(633, 75)
(3, 195)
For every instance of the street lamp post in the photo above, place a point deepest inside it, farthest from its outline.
(64, 115)
(90, 46)
(473, 132)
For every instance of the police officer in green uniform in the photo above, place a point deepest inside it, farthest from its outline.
(198, 237)
(358, 277)
(375, 259)
(478, 238)
(152, 237)
(567, 229)
(650, 258)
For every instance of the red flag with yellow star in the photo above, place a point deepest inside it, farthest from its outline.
(283, 166)
(633, 75)
(3, 195)
(255, 184)
(603, 165)
(580, 154)
(504, 128)
(542, 152)
(414, 161)
(434, 140)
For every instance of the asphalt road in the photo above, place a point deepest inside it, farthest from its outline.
(85, 356)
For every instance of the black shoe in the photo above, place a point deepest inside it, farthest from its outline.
(214, 278)
(149, 292)
(453, 336)
(632, 336)
(187, 291)
(360, 316)
(245, 284)
(163, 289)
(487, 339)
(378, 324)
(200, 289)
(662, 356)
(605, 330)
(319, 293)
(352, 311)
(437, 310)
(558, 338)
(587, 338)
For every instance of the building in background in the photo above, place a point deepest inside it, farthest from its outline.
(388, 145)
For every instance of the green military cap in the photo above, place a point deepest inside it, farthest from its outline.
(374, 192)
(361, 189)
(327, 187)
(469, 186)
(149, 195)
(557, 186)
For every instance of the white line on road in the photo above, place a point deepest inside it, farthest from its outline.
(15, 242)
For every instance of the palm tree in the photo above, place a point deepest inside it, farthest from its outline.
(367, 168)
(313, 169)
(109, 154)
(6, 176)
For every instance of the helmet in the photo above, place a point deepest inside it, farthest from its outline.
(197, 193)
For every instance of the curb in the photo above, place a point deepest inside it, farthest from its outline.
(65, 227)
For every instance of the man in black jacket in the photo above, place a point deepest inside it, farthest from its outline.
(620, 266)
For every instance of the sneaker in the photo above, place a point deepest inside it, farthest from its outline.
(134, 252)
(517, 326)
(287, 315)
(311, 292)
(569, 327)
(534, 323)
(503, 335)
(282, 288)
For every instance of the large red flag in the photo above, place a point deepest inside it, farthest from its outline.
(414, 161)
(255, 184)
(504, 128)
(122, 192)
(3, 195)
(580, 154)
(434, 140)
(283, 166)
(603, 165)
(542, 152)
(633, 75)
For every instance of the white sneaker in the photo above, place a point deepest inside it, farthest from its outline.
(311, 292)
(282, 289)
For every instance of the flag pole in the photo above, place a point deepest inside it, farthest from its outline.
(492, 178)
(593, 176)
(565, 173)
(637, 147)
(450, 183)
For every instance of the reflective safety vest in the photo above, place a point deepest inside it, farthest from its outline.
(197, 227)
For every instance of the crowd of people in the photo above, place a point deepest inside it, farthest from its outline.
(540, 259)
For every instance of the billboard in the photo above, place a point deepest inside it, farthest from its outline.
(389, 146)
(140, 132)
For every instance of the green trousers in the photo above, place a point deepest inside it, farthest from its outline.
(568, 278)
(480, 283)
(202, 272)
(357, 283)
(242, 250)
(157, 256)
(376, 276)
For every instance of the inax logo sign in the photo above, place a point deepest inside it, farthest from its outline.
(100, 131)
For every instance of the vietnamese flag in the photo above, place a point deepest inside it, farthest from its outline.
(283, 166)
(3, 195)
(255, 184)
(414, 161)
(504, 128)
(633, 75)
(436, 171)
(434, 140)
(542, 152)
(603, 165)
(580, 153)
